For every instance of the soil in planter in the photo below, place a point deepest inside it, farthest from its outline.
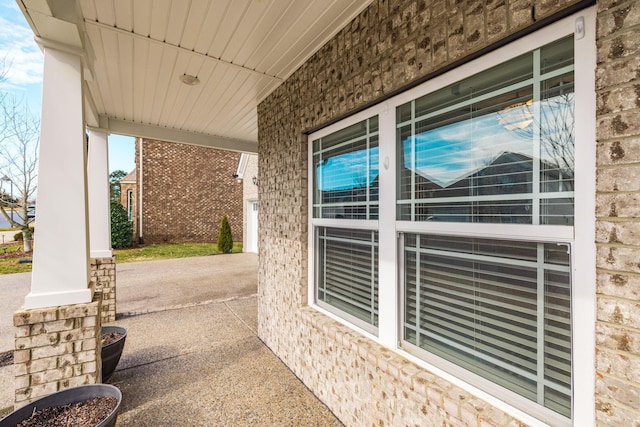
(110, 337)
(88, 413)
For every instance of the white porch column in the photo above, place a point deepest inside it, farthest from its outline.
(98, 181)
(61, 252)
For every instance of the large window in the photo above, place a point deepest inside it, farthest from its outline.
(345, 182)
(495, 148)
(447, 222)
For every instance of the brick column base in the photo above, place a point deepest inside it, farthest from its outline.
(56, 348)
(103, 278)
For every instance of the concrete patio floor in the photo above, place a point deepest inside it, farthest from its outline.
(198, 361)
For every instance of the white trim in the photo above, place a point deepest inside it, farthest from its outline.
(584, 254)
(388, 324)
(123, 127)
(129, 204)
(242, 165)
(252, 226)
(98, 194)
(53, 299)
(140, 216)
(61, 277)
(547, 233)
(346, 223)
(101, 254)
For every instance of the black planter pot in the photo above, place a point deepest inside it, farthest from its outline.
(65, 397)
(111, 353)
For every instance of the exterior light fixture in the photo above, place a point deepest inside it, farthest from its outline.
(189, 80)
(255, 180)
(516, 116)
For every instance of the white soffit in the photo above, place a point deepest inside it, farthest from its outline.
(240, 50)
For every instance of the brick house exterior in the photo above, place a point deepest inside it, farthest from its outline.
(384, 51)
(185, 192)
(369, 375)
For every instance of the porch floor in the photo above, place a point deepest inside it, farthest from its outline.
(200, 363)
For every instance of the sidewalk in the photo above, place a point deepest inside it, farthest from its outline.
(7, 236)
(198, 361)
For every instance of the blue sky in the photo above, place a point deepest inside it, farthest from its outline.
(348, 170)
(24, 76)
(446, 154)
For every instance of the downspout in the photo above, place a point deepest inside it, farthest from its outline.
(140, 238)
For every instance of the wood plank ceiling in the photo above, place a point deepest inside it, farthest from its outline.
(240, 50)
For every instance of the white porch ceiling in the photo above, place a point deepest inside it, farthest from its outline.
(135, 50)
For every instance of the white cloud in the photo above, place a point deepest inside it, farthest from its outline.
(447, 154)
(23, 59)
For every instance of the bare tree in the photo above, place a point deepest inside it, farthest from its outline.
(555, 122)
(557, 134)
(19, 140)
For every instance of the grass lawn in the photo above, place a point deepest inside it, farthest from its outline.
(9, 263)
(169, 250)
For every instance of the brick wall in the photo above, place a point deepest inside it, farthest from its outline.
(618, 214)
(385, 48)
(186, 191)
(103, 280)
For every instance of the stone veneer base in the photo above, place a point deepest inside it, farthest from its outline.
(56, 348)
(103, 279)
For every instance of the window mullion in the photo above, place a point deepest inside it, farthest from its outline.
(413, 160)
(536, 149)
(368, 173)
(418, 291)
(540, 323)
(372, 297)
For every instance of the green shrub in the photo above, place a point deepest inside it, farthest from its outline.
(121, 227)
(19, 237)
(225, 238)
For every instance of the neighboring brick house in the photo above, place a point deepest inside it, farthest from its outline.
(179, 193)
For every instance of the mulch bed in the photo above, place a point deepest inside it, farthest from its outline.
(12, 250)
(88, 413)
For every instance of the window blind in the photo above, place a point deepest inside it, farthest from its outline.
(348, 272)
(500, 309)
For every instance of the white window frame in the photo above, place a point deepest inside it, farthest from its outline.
(583, 253)
(130, 205)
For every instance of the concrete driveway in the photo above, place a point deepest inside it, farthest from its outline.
(146, 287)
